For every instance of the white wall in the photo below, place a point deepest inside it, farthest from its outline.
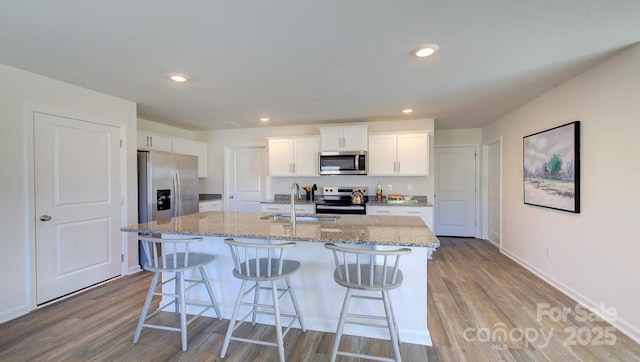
(18, 90)
(594, 255)
(258, 136)
(458, 137)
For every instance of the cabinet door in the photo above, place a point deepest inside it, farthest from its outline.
(281, 157)
(412, 154)
(331, 138)
(210, 206)
(305, 209)
(194, 148)
(155, 142)
(382, 155)
(354, 138)
(278, 208)
(305, 161)
(200, 149)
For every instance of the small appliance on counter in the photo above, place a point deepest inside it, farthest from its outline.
(343, 200)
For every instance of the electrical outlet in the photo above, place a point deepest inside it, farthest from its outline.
(547, 252)
(390, 187)
(409, 187)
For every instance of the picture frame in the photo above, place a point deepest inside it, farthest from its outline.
(551, 168)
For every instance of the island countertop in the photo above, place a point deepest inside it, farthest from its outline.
(408, 231)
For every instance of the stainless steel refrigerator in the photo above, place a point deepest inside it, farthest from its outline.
(167, 186)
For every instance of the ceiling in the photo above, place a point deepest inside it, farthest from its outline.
(323, 61)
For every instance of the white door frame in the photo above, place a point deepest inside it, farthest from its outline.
(30, 196)
(485, 189)
(477, 229)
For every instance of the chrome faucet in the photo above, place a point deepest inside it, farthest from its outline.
(295, 189)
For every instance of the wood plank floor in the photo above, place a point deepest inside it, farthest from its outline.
(474, 294)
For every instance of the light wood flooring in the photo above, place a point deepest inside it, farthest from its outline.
(474, 294)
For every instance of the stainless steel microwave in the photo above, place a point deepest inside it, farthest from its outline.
(344, 163)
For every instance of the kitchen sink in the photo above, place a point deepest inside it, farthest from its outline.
(301, 218)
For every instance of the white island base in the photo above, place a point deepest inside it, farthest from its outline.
(320, 298)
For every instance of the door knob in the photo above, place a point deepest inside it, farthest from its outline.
(231, 197)
(45, 218)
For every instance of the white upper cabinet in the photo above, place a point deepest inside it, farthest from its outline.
(154, 142)
(399, 154)
(194, 148)
(344, 138)
(149, 141)
(293, 156)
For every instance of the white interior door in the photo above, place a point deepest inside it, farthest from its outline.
(245, 171)
(77, 203)
(494, 181)
(455, 201)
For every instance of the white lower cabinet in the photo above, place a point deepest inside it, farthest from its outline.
(286, 208)
(213, 205)
(425, 212)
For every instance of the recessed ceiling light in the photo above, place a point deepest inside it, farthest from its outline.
(424, 51)
(178, 77)
(264, 119)
(407, 111)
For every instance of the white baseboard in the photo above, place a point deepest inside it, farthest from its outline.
(619, 323)
(14, 313)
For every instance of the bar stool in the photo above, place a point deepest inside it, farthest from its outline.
(258, 263)
(367, 270)
(167, 255)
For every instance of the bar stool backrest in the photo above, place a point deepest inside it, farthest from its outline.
(167, 253)
(257, 260)
(366, 268)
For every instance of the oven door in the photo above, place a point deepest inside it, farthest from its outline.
(322, 208)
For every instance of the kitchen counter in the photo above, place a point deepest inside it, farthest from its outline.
(288, 201)
(319, 297)
(351, 229)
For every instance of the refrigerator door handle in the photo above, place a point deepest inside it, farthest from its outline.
(178, 193)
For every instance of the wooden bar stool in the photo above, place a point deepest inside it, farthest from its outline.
(165, 255)
(367, 270)
(256, 262)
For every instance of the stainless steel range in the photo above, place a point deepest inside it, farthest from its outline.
(338, 200)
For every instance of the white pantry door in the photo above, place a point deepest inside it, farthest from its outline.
(78, 204)
(245, 170)
(455, 201)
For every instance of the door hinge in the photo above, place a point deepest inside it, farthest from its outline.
(122, 258)
(121, 143)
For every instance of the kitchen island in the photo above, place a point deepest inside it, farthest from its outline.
(320, 298)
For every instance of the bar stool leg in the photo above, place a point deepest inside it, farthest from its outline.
(205, 279)
(391, 323)
(183, 311)
(276, 309)
(295, 304)
(232, 322)
(343, 317)
(395, 321)
(145, 308)
(256, 297)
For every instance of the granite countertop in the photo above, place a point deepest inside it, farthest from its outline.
(349, 229)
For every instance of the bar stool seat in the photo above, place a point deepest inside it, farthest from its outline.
(262, 263)
(367, 270)
(173, 255)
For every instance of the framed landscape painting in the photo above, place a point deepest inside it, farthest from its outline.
(551, 165)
